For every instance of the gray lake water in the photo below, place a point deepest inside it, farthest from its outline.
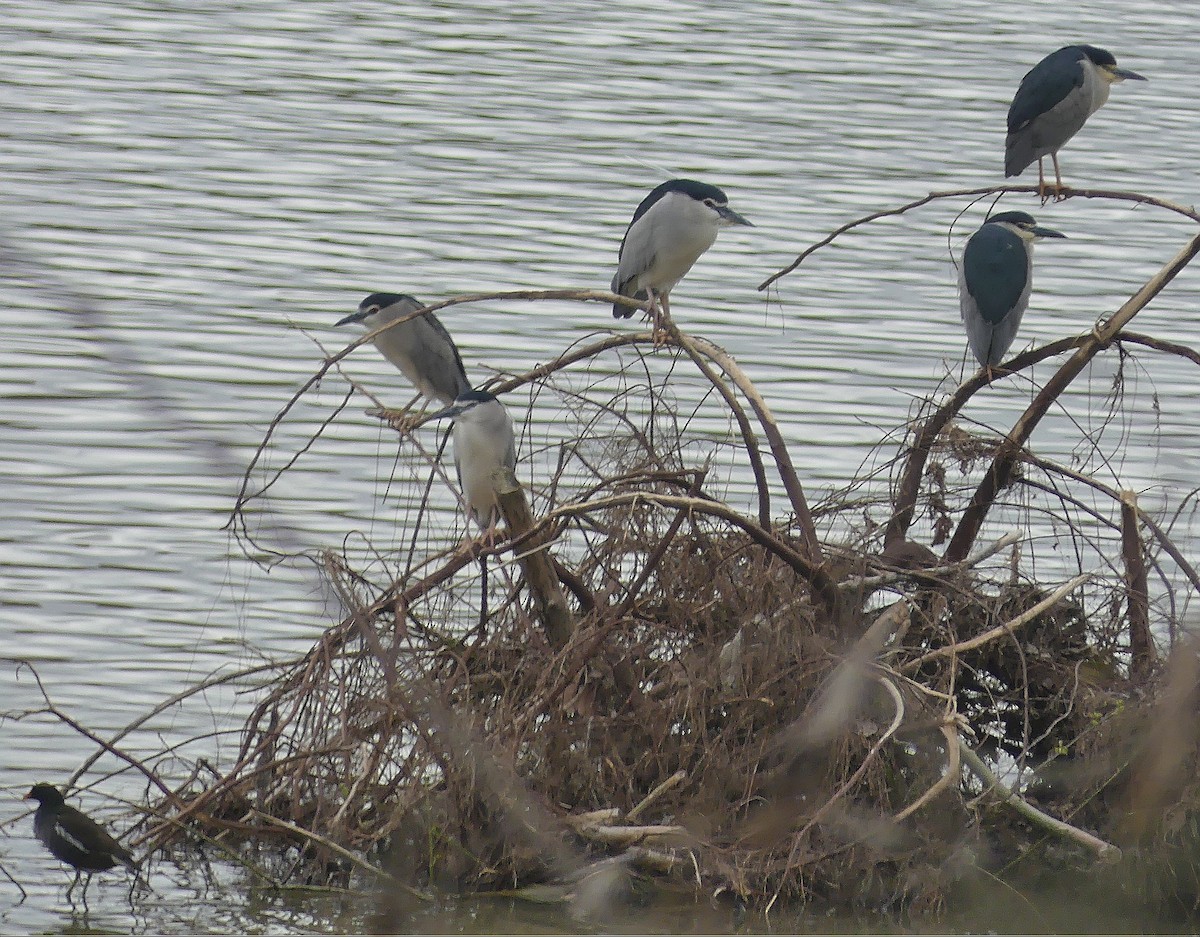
(218, 182)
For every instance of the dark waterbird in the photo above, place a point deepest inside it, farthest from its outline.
(1054, 100)
(995, 280)
(420, 347)
(73, 837)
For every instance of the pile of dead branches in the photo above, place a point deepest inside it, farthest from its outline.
(784, 702)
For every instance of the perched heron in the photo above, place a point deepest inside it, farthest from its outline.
(73, 837)
(483, 443)
(676, 223)
(1054, 100)
(995, 279)
(421, 347)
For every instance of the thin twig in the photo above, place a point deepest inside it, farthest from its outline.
(964, 193)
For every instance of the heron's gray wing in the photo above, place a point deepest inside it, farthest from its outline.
(458, 445)
(1045, 86)
(446, 375)
(637, 256)
(993, 290)
(510, 454)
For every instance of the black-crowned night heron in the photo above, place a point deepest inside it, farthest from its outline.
(1054, 100)
(676, 223)
(994, 281)
(483, 444)
(421, 347)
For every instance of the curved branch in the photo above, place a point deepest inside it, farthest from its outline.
(950, 776)
(783, 460)
(760, 476)
(1160, 344)
(962, 193)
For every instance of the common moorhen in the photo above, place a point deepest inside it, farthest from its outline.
(73, 837)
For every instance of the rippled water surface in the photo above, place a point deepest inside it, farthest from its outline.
(191, 194)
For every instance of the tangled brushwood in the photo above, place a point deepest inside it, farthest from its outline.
(677, 676)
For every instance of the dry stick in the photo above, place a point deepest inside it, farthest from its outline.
(673, 781)
(535, 561)
(1160, 344)
(20, 887)
(632, 835)
(999, 631)
(1000, 471)
(167, 704)
(783, 460)
(1141, 641)
(961, 193)
(764, 493)
(652, 860)
(932, 574)
(1107, 852)
(604, 815)
(573, 581)
(57, 713)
